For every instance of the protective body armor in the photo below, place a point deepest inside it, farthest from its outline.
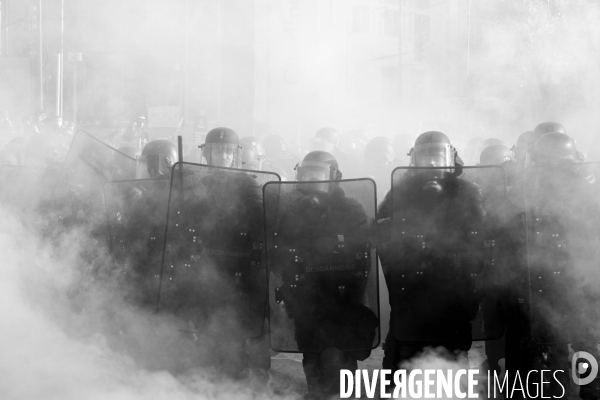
(212, 275)
(562, 208)
(137, 215)
(443, 257)
(323, 284)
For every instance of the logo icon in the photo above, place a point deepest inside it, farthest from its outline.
(584, 368)
(222, 134)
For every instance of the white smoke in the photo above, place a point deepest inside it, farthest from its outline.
(53, 349)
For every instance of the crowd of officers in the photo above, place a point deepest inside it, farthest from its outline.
(435, 223)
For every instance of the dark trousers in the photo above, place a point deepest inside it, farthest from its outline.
(322, 371)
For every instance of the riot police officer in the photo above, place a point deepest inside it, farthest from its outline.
(157, 159)
(547, 127)
(555, 203)
(349, 152)
(252, 153)
(278, 155)
(213, 238)
(326, 139)
(333, 328)
(495, 154)
(378, 162)
(434, 213)
(515, 167)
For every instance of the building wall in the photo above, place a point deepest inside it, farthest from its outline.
(336, 63)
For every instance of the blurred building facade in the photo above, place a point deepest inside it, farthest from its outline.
(285, 66)
(372, 64)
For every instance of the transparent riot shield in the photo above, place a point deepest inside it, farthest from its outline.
(78, 197)
(562, 208)
(213, 276)
(323, 280)
(26, 188)
(137, 217)
(443, 266)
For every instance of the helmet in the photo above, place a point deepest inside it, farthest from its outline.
(274, 146)
(519, 150)
(433, 149)
(547, 127)
(158, 156)
(380, 152)
(553, 148)
(492, 141)
(352, 144)
(326, 139)
(495, 154)
(252, 153)
(222, 148)
(318, 166)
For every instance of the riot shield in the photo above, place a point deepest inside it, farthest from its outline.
(323, 280)
(443, 264)
(137, 216)
(562, 209)
(25, 188)
(78, 197)
(212, 275)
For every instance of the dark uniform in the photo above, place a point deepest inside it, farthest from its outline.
(545, 303)
(433, 256)
(324, 317)
(439, 310)
(322, 270)
(212, 277)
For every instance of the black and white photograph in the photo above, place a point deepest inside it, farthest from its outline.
(299, 199)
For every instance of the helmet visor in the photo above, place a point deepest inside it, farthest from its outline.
(153, 166)
(322, 144)
(313, 171)
(432, 155)
(534, 159)
(222, 154)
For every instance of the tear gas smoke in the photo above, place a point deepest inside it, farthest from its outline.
(53, 350)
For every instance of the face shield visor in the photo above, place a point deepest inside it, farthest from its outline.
(318, 173)
(154, 166)
(228, 155)
(432, 155)
(536, 159)
(322, 144)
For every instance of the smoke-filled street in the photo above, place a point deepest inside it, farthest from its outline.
(299, 199)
